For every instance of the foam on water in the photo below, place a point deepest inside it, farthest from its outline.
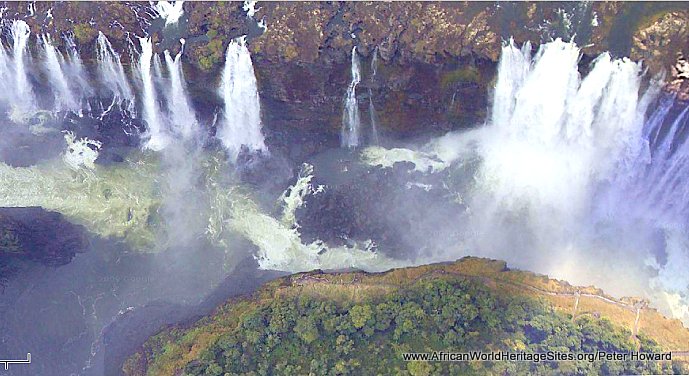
(386, 158)
(81, 153)
(293, 197)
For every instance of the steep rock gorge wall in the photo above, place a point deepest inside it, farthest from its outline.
(436, 60)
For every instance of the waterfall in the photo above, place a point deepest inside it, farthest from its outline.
(23, 97)
(514, 63)
(554, 135)
(374, 63)
(157, 68)
(241, 124)
(54, 63)
(374, 119)
(111, 70)
(371, 108)
(351, 121)
(573, 180)
(654, 180)
(182, 114)
(155, 133)
(75, 69)
(6, 86)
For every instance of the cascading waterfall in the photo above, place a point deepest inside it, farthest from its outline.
(75, 69)
(111, 70)
(515, 65)
(182, 114)
(24, 100)
(374, 119)
(569, 178)
(156, 136)
(157, 67)
(351, 120)
(6, 82)
(371, 108)
(554, 134)
(241, 124)
(573, 181)
(65, 99)
(68, 81)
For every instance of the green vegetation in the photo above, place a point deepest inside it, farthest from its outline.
(213, 52)
(218, 29)
(336, 324)
(84, 33)
(307, 335)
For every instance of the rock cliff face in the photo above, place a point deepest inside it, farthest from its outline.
(664, 44)
(436, 60)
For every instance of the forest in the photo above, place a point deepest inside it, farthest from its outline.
(303, 334)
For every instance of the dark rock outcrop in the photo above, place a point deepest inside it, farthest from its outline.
(39, 235)
(397, 208)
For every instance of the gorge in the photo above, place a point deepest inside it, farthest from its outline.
(179, 154)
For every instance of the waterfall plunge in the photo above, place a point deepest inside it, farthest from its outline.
(351, 120)
(554, 135)
(571, 180)
(75, 69)
(65, 98)
(23, 101)
(182, 115)
(241, 124)
(156, 136)
(371, 108)
(111, 70)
